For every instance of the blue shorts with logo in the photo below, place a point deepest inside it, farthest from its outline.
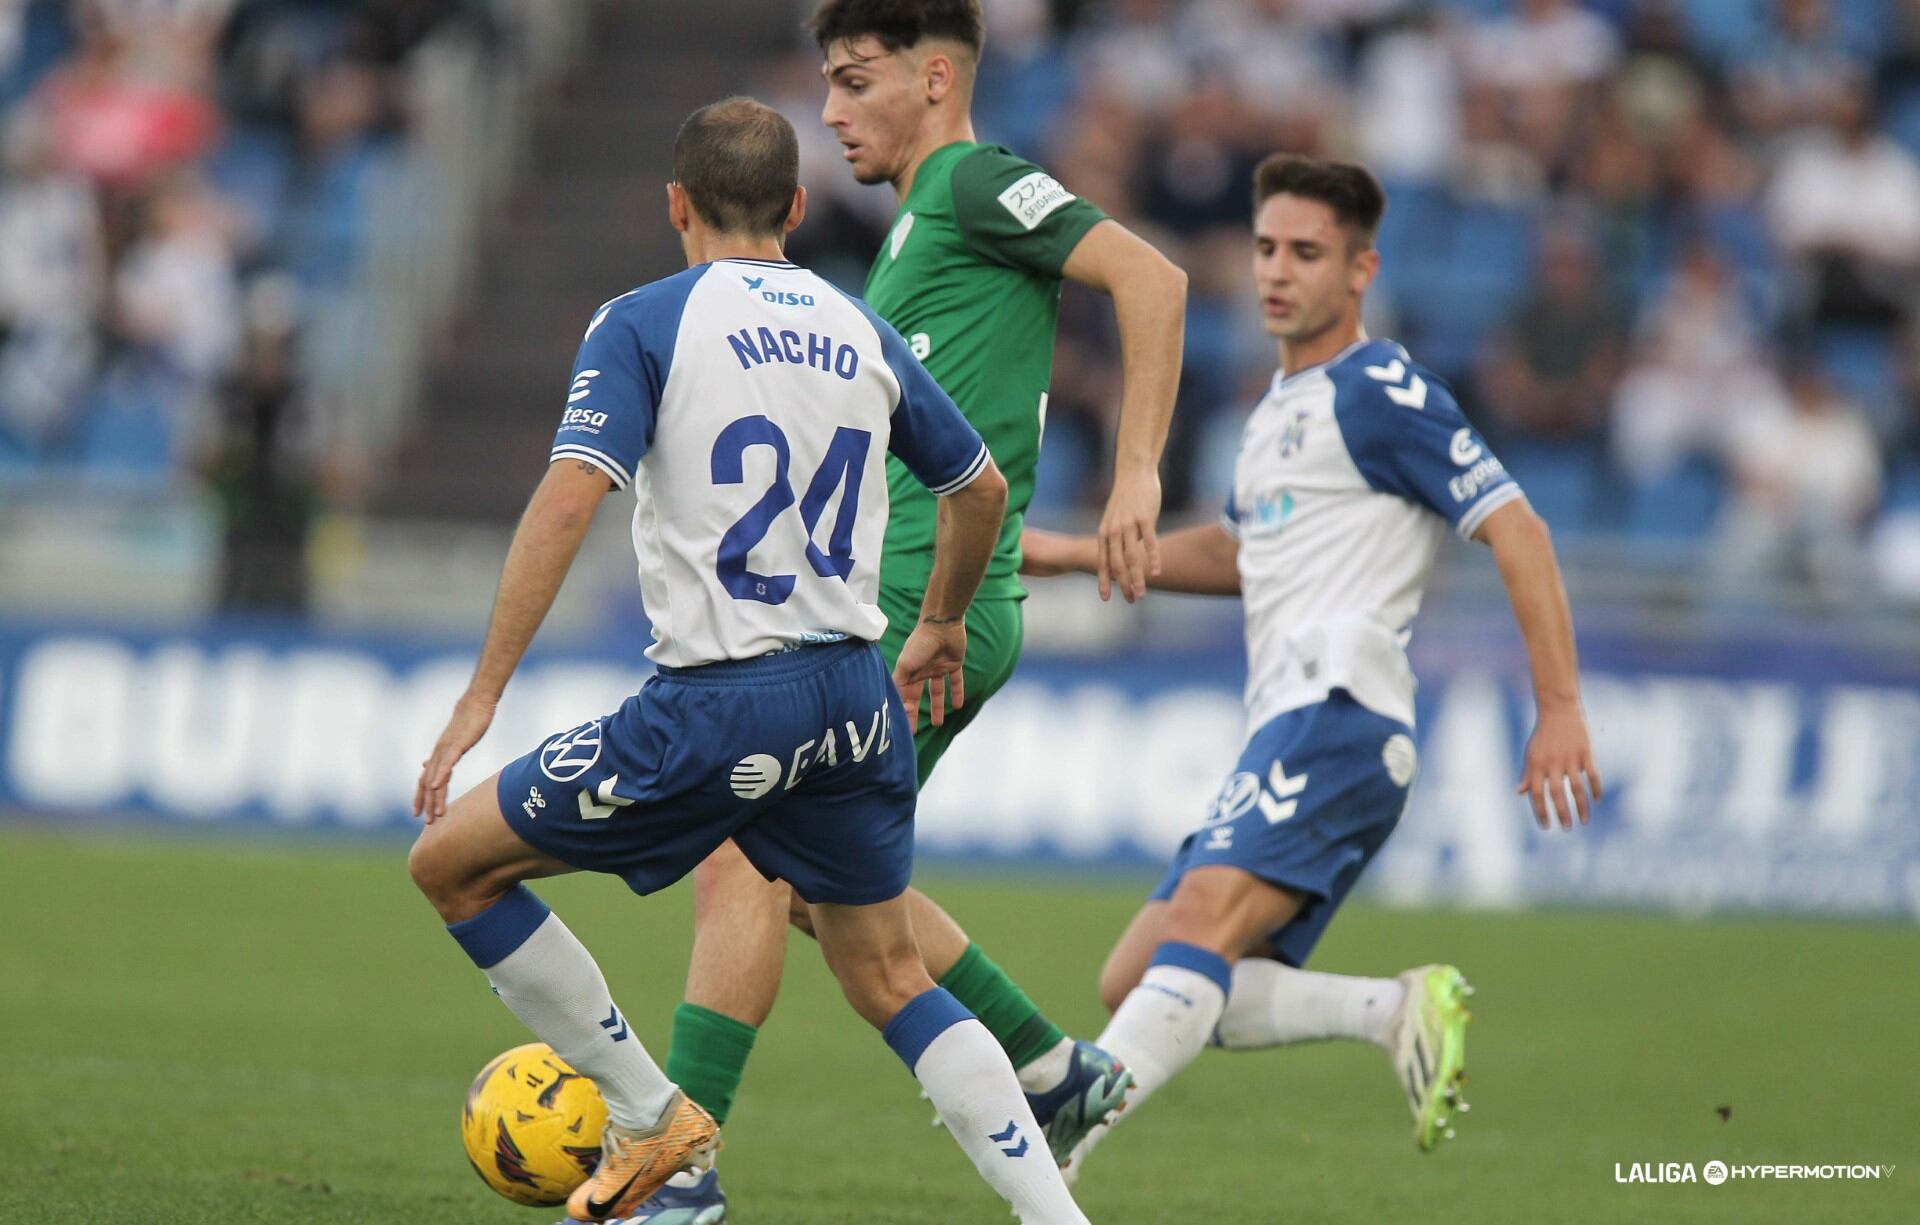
(804, 759)
(1315, 794)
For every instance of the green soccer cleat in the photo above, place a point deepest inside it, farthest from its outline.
(1430, 1050)
(1094, 1090)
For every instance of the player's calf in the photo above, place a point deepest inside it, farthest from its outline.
(957, 1061)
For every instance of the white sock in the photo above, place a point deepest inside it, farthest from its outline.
(1276, 1005)
(543, 973)
(1048, 1069)
(968, 1079)
(1162, 1024)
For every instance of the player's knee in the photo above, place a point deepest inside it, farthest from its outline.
(426, 866)
(450, 885)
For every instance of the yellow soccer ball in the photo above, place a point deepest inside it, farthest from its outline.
(532, 1125)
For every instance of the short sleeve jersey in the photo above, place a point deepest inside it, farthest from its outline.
(751, 406)
(1348, 477)
(970, 275)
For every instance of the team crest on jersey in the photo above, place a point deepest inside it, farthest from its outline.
(1296, 435)
(571, 754)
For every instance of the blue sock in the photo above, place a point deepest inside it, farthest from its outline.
(491, 936)
(1185, 956)
(927, 1015)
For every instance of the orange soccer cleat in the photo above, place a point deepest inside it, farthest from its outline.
(635, 1164)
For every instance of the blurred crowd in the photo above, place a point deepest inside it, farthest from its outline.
(184, 186)
(1667, 251)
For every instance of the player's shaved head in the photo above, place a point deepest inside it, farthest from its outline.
(739, 162)
(898, 25)
(1347, 188)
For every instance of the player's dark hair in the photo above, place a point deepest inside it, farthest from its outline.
(1349, 189)
(739, 162)
(899, 23)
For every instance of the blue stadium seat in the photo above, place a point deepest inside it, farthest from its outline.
(127, 440)
(1725, 30)
(1903, 486)
(1463, 287)
(46, 35)
(1562, 480)
(1863, 363)
(254, 168)
(1680, 505)
(16, 462)
(1066, 467)
(1415, 234)
(320, 241)
(1018, 102)
(126, 426)
(1901, 117)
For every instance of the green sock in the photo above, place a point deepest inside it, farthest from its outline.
(709, 1056)
(1002, 1007)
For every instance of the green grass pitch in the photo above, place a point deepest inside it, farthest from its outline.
(241, 1032)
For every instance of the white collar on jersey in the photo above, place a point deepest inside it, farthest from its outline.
(1282, 377)
(764, 263)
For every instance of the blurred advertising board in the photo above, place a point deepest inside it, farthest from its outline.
(1758, 776)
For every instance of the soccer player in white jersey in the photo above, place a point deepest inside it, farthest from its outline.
(1350, 472)
(749, 405)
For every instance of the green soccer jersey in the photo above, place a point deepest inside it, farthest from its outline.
(970, 275)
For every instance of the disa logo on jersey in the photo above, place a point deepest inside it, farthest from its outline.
(777, 297)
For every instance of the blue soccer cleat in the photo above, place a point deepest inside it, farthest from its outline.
(704, 1203)
(1093, 1092)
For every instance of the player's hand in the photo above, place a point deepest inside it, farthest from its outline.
(1129, 547)
(1047, 554)
(930, 663)
(1560, 774)
(472, 715)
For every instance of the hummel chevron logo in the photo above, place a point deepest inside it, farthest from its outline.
(1413, 395)
(753, 282)
(590, 811)
(614, 1020)
(1278, 801)
(1013, 1129)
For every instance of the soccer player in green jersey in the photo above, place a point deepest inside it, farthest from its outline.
(970, 274)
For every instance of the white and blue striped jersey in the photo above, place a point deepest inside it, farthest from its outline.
(749, 405)
(1348, 476)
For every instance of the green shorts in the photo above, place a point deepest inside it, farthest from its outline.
(994, 632)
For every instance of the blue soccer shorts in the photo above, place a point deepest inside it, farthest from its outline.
(1314, 795)
(804, 759)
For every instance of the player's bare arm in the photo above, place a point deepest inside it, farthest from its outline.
(1560, 778)
(1199, 560)
(543, 549)
(931, 659)
(1150, 304)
